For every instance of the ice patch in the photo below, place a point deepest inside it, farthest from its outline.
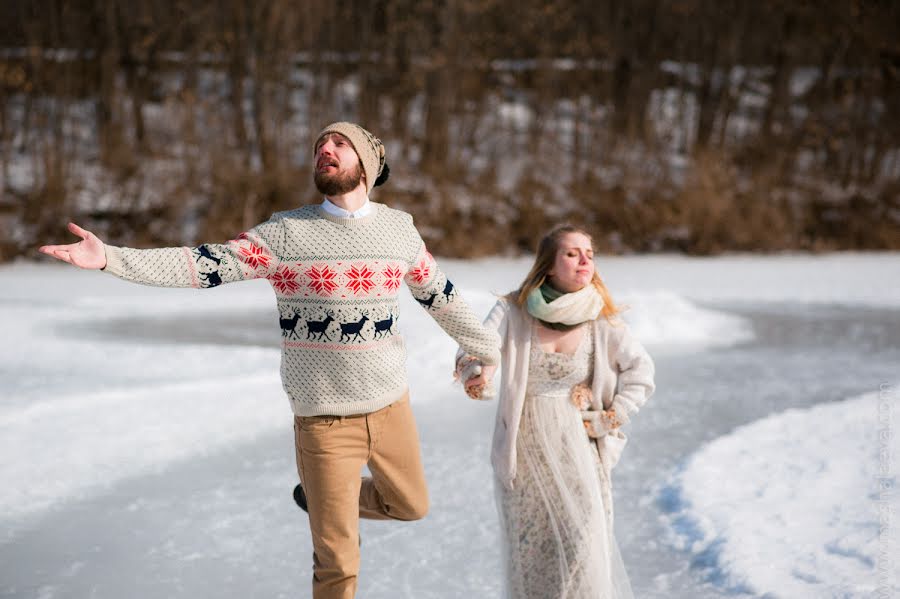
(795, 505)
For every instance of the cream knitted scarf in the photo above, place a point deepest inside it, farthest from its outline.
(564, 310)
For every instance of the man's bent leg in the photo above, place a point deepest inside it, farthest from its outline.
(397, 489)
(331, 452)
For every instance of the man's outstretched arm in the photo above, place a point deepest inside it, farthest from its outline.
(251, 255)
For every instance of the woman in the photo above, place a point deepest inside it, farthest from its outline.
(571, 376)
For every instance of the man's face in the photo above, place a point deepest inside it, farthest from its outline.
(337, 167)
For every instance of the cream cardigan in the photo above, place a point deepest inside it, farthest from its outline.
(623, 380)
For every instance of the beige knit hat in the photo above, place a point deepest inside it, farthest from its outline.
(368, 147)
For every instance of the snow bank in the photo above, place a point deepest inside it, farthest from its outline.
(797, 504)
(666, 321)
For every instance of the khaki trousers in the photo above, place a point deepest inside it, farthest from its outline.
(331, 452)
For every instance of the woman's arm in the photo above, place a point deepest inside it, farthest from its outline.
(636, 371)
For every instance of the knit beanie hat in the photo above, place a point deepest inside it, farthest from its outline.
(368, 147)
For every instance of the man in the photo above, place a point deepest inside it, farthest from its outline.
(336, 269)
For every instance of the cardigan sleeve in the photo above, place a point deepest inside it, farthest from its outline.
(635, 376)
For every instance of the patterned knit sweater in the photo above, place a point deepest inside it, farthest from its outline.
(337, 282)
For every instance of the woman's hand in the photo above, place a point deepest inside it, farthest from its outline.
(599, 423)
(87, 253)
(476, 377)
(476, 384)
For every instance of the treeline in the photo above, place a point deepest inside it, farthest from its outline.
(697, 125)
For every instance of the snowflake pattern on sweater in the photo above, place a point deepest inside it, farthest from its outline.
(337, 284)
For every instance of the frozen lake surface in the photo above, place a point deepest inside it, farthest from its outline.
(146, 447)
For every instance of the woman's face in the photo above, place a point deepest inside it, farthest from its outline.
(573, 267)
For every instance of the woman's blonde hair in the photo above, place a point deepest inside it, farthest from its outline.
(543, 262)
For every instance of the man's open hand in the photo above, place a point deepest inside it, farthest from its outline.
(87, 253)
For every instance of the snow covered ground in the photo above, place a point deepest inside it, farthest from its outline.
(145, 443)
(798, 504)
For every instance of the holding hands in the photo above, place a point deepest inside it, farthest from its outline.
(87, 253)
(476, 377)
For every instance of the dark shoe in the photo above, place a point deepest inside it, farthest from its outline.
(300, 498)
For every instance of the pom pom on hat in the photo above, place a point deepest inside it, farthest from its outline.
(385, 173)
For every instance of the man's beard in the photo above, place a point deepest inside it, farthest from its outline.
(338, 183)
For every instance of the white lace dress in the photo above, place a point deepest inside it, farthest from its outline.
(557, 520)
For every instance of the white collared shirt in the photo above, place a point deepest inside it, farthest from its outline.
(335, 210)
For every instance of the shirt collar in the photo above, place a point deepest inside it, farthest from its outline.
(335, 210)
